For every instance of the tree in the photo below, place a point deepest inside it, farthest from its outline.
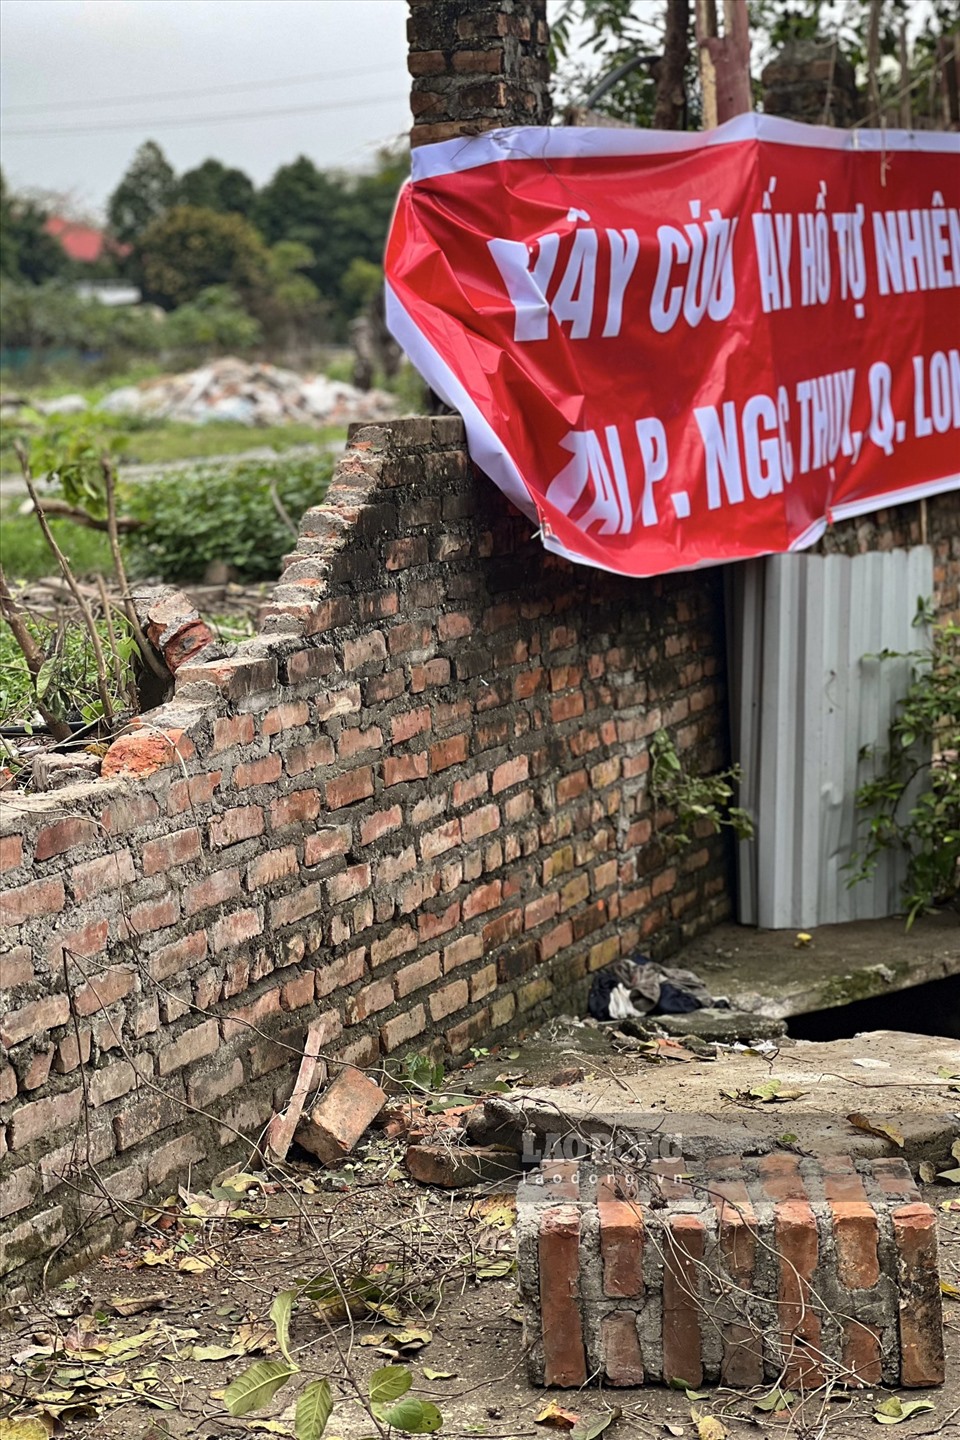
(215, 186)
(339, 217)
(189, 249)
(146, 192)
(9, 262)
(294, 311)
(871, 36)
(27, 252)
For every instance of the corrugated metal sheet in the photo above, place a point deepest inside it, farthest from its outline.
(807, 694)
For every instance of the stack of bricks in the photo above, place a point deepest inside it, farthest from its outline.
(743, 1271)
(476, 65)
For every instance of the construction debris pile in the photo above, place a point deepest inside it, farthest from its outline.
(249, 394)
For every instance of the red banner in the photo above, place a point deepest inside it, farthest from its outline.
(674, 350)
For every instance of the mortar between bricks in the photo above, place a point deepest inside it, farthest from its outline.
(738, 1270)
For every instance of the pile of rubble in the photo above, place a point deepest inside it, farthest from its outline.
(453, 1147)
(249, 394)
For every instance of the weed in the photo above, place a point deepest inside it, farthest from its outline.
(695, 798)
(63, 682)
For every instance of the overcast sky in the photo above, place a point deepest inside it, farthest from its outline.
(65, 65)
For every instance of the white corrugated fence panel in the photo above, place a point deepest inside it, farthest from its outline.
(807, 695)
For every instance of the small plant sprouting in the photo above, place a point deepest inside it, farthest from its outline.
(695, 797)
(418, 1074)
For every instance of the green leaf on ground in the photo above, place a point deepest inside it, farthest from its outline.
(313, 1410)
(280, 1312)
(414, 1417)
(894, 1411)
(389, 1383)
(777, 1400)
(256, 1386)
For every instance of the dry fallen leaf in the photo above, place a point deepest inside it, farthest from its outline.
(136, 1304)
(555, 1416)
(499, 1210)
(886, 1129)
(708, 1426)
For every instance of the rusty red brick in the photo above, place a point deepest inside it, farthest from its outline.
(742, 1361)
(564, 1356)
(797, 1245)
(921, 1322)
(682, 1307)
(621, 1241)
(342, 1114)
(623, 1357)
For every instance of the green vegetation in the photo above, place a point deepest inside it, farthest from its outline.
(66, 683)
(387, 1402)
(24, 554)
(911, 803)
(229, 514)
(232, 514)
(695, 798)
(591, 38)
(232, 269)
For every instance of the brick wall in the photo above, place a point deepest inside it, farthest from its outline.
(477, 64)
(414, 807)
(934, 522)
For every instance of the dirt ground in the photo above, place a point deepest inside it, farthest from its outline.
(430, 1280)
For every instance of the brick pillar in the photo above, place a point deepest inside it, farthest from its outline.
(476, 65)
(810, 80)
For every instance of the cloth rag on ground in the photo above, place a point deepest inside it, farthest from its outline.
(642, 987)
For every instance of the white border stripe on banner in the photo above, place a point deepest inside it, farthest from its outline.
(541, 143)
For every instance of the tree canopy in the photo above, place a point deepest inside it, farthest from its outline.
(147, 190)
(27, 252)
(190, 248)
(215, 186)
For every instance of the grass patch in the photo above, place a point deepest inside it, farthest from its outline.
(157, 442)
(171, 440)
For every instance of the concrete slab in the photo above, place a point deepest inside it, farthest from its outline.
(885, 1075)
(767, 973)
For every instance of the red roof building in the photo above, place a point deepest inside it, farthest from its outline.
(83, 243)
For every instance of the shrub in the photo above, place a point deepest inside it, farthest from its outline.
(912, 801)
(214, 321)
(231, 514)
(67, 682)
